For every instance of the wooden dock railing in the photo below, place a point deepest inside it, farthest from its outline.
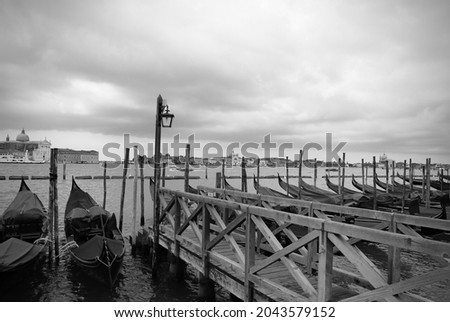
(256, 252)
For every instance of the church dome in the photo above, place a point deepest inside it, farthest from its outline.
(22, 137)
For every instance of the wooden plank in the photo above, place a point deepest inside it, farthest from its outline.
(250, 248)
(403, 286)
(290, 265)
(281, 291)
(229, 228)
(230, 239)
(285, 251)
(418, 244)
(325, 272)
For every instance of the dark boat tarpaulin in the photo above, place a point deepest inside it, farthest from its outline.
(15, 253)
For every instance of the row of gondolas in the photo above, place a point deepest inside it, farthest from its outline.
(94, 242)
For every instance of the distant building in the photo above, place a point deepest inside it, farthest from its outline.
(23, 150)
(74, 156)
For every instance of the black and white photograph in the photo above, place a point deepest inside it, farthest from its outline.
(175, 156)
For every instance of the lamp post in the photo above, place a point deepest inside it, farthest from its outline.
(163, 119)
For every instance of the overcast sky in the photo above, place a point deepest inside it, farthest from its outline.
(375, 74)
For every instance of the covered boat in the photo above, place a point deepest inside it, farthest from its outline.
(99, 246)
(23, 232)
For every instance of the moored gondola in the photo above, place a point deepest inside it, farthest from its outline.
(99, 246)
(23, 233)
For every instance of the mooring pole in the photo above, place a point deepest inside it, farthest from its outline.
(124, 182)
(374, 184)
(186, 168)
(315, 172)
(404, 187)
(135, 183)
(287, 176)
(343, 179)
(141, 170)
(411, 175)
(53, 198)
(104, 184)
(386, 164)
(258, 161)
(64, 169)
(243, 176)
(300, 165)
(362, 175)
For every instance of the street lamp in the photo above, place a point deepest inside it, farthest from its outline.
(163, 119)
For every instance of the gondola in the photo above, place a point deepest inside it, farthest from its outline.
(436, 184)
(23, 233)
(98, 245)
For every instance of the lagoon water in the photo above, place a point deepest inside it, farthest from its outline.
(64, 283)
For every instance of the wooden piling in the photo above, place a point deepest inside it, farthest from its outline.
(423, 181)
(186, 168)
(163, 178)
(343, 179)
(243, 176)
(287, 177)
(300, 165)
(258, 165)
(141, 169)
(206, 285)
(393, 256)
(393, 174)
(362, 176)
(411, 176)
(386, 164)
(223, 173)
(250, 245)
(104, 184)
(135, 183)
(206, 170)
(339, 177)
(315, 172)
(124, 181)
(53, 200)
(64, 170)
(428, 183)
(374, 184)
(404, 187)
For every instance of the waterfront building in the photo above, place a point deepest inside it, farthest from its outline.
(22, 149)
(77, 156)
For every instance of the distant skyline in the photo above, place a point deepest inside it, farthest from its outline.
(375, 74)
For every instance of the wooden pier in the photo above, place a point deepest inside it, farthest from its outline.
(249, 246)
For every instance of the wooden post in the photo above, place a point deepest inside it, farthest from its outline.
(312, 246)
(53, 202)
(362, 176)
(287, 177)
(104, 185)
(243, 176)
(374, 184)
(250, 245)
(141, 170)
(428, 183)
(339, 176)
(223, 173)
(343, 179)
(64, 169)
(411, 176)
(441, 176)
(175, 267)
(386, 164)
(300, 165)
(404, 187)
(206, 171)
(393, 175)
(393, 256)
(135, 181)
(423, 181)
(325, 273)
(124, 182)
(315, 172)
(257, 170)
(186, 168)
(163, 177)
(206, 285)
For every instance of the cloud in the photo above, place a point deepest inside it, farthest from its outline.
(372, 73)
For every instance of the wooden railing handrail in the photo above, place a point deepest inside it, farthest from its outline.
(343, 210)
(419, 244)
